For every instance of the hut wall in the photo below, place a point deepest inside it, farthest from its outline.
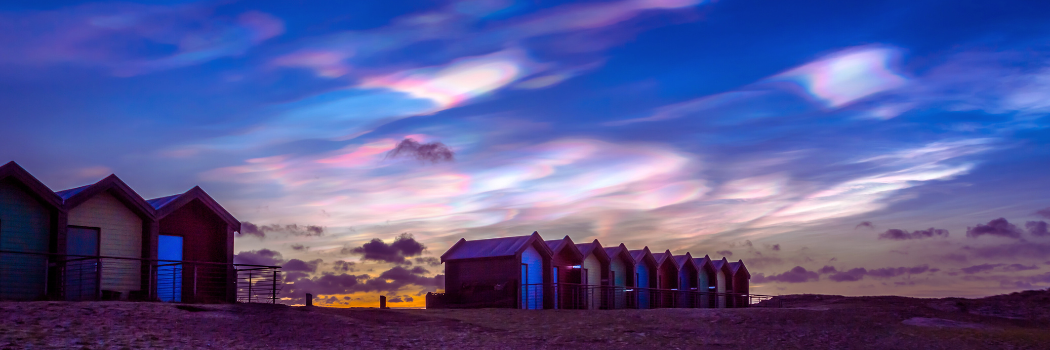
(740, 285)
(531, 279)
(687, 284)
(702, 286)
(721, 288)
(25, 226)
(205, 237)
(618, 268)
(642, 279)
(482, 282)
(593, 268)
(121, 236)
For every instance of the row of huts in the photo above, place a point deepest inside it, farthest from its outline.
(103, 240)
(528, 272)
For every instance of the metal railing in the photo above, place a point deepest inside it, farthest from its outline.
(584, 297)
(48, 276)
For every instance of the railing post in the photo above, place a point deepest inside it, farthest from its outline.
(249, 286)
(194, 282)
(273, 290)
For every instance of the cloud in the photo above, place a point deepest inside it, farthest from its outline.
(117, 36)
(893, 272)
(264, 257)
(430, 261)
(396, 299)
(865, 224)
(998, 227)
(1020, 249)
(896, 234)
(1037, 228)
(299, 265)
(344, 266)
(403, 246)
(1019, 267)
(827, 269)
(249, 228)
(299, 247)
(776, 247)
(798, 274)
(1044, 213)
(397, 277)
(849, 276)
(434, 152)
(725, 253)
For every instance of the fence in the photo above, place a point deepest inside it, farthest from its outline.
(578, 296)
(39, 276)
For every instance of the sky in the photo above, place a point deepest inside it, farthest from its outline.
(836, 147)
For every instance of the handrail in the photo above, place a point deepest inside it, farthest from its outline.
(136, 259)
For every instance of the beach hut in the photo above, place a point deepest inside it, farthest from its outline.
(707, 282)
(31, 219)
(569, 279)
(106, 218)
(667, 278)
(621, 275)
(509, 272)
(724, 282)
(595, 274)
(741, 283)
(687, 281)
(195, 238)
(645, 279)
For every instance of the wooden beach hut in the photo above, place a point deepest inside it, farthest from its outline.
(667, 278)
(741, 283)
(596, 274)
(645, 279)
(567, 273)
(107, 218)
(195, 236)
(687, 281)
(509, 272)
(31, 223)
(707, 282)
(621, 274)
(724, 280)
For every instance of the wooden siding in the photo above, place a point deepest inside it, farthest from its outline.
(594, 278)
(532, 297)
(620, 274)
(121, 236)
(702, 286)
(721, 288)
(474, 283)
(205, 238)
(24, 226)
(642, 279)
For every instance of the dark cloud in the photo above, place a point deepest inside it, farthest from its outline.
(896, 234)
(798, 274)
(865, 224)
(1037, 228)
(998, 227)
(392, 280)
(1044, 213)
(404, 246)
(259, 257)
(396, 299)
(776, 247)
(1019, 267)
(250, 229)
(326, 284)
(434, 152)
(849, 276)
(724, 253)
(299, 247)
(1018, 249)
(299, 265)
(827, 269)
(344, 266)
(430, 261)
(858, 274)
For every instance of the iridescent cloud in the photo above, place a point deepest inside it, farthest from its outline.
(846, 76)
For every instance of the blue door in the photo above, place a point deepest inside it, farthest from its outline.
(169, 273)
(82, 270)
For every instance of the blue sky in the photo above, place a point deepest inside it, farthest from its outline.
(700, 126)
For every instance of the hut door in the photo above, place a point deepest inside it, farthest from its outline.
(169, 273)
(82, 270)
(554, 276)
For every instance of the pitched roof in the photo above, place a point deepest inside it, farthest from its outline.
(594, 247)
(565, 243)
(492, 248)
(169, 204)
(704, 263)
(643, 254)
(622, 251)
(14, 171)
(73, 197)
(665, 256)
(684, 260)
(736, 267)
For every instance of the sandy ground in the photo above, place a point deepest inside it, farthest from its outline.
(824, 322)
